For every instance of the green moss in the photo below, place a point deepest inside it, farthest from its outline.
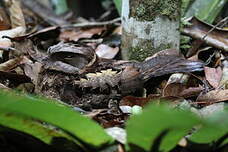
(147, 10)
(139, 54)
(144, 50)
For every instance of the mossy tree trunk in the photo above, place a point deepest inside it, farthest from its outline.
(149, 26)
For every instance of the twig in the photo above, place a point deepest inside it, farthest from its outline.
(92, 24)
(91, 40)
(214, 27)
(7, 49)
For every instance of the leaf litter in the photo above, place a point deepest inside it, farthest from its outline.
(76, 65)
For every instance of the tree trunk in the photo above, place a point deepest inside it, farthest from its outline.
(149, 26)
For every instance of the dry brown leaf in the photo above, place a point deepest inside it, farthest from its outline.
(76, 35)
(12, 63)
(118, 30)
(17, 23)
(213, 96)
(191, 92)
(4, 42)
(140, 101)
(173, 90)
(224, 79)
(32, 70)
(213, 76)
(16, 15)
(200, 30)
(105, 51)
(4, 21)
(179, 85)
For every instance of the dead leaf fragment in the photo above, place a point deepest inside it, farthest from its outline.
(12, 63)
(4, 21)
(4, 42)
(191, 92)
(213, 76)
(72, 35)
(200, 30)
(213, 96)
(105, 51)
(16, 15)
(224, 79)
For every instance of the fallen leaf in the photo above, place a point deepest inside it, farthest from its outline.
(16, 15)
(118, 30)
(224, 79)
(191, 92)
(105, 51)
(72, 35)
(4, 42)
(140, 101)
(12, 63)
(213, 76)
(213, 96)
(200, 30)
(4, 21)
(173, 90)
(32, 70)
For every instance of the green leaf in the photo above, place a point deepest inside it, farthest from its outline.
(60, 6)
(159, 122)
(60, 116)
(206, 10)
(212, 128)
(31, 127)
(118, 4)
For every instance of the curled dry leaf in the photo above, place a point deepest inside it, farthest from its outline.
(179, 85)
(213, 76)
(200, 30)
(70, 58)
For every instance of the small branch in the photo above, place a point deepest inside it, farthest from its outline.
(7, 49)
(214, 27)
(92, 24)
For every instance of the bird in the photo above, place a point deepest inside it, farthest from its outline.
(74, 74)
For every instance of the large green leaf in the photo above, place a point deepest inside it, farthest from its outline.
(212, 128)
(206, 10)
(31, 127)
(61, 116)
(118, 4)
(171, 125)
